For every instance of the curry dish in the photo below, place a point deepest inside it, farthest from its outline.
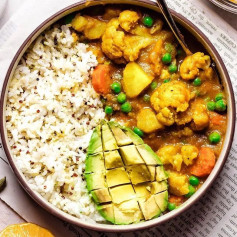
(147, 83)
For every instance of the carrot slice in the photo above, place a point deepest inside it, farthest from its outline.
(205, 162)
(177, 200)
(101, 79)
(217, 119)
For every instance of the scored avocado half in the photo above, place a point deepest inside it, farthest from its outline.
(124, 176)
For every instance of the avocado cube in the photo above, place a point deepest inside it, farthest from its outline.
(161, 174)
(95, 144)
(127, 212)
(162, 200)
(109, 142)
(142, 190)
(116, 177)
(95, 181)
(94, 163)
(158, 187)
(121, 138)
(130, 155)
(101, 195)
(152, 170)
(149, 208)
(113, 159)
(148, 155)
(133, 136)
(107, 211)
(122, 193)
(138, 174)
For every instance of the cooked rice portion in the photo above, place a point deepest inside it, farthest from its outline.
(52, 109)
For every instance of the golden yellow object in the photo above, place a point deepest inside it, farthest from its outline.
(25, 230)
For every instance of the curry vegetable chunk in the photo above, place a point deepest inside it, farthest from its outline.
(127, 178)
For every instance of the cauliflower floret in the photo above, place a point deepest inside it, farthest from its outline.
(113, 41)
(178, 184)
(192, 64)
(120, 47)
(186, 132)
(170, 98)
(170, 155)
(199, 115)
(133, 46)
(189, 153)
(177, 154)
(128, 19)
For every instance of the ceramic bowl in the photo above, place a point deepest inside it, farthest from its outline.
(196, 36)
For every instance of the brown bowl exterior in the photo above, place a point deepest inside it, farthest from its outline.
(222, 158)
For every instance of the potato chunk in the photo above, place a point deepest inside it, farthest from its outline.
(178, 183)
(91, 27)
(135, 80)
(147, 121)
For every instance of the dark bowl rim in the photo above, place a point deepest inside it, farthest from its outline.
(57, 212)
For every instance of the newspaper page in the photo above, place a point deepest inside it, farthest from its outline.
(214, 215)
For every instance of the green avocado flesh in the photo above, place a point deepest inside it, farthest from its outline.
(124, 176)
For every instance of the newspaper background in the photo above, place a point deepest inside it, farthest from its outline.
(214, 215)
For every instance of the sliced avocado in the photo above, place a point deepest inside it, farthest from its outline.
(122, 193)
(161, 174)
(133, 136)
(113, 159)
(152, 170)
(116, 177)
(130, 155)
(138, 174)
(149, 208)
(158, 187)
(121, 138)
(109, 142)
(95, 144)
(143, 190)
(162, 200)
(94, 163)
(107, 211)
(95, 181)
(101, 195)
(148, 155)
(127, 212)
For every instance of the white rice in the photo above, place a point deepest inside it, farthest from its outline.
(51, 112)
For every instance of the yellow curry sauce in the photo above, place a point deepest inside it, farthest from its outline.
(177, 102)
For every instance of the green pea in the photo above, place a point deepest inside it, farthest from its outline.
(116, 87)
(121, 98)
(171, 206)
(166, 59)
(168, 48)
(173, 68)
(221, 106)
(197, 82)
(166, 81)
(192, 190)
(214, 137)
(146, 98)
(148, 21)
(211, 105)
(154, 85)
(108, 109)
(68, 19)
(194, 181)
(138, 131)
(126, 107)
(219, 96)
